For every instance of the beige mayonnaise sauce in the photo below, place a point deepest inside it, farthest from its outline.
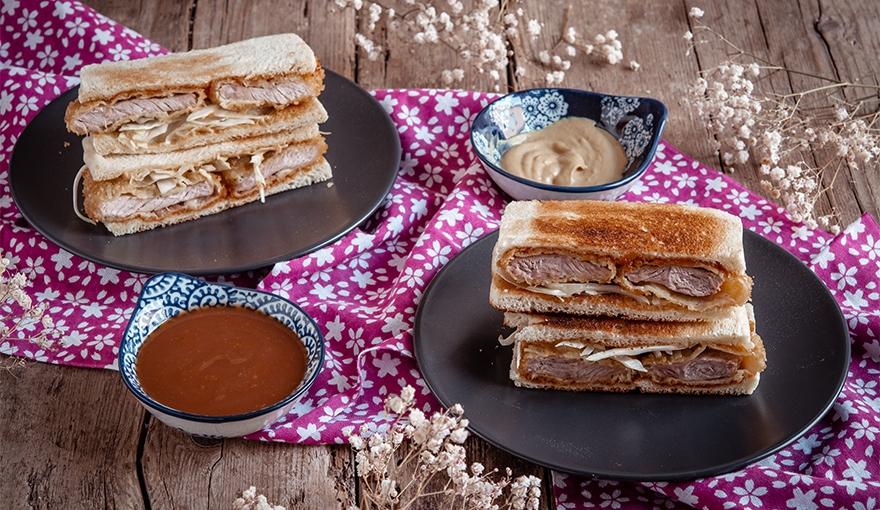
(568, 152)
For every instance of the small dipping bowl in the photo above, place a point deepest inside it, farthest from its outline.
(636, 122)
(167, 295)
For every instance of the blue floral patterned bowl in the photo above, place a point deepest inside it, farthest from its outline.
(636, 122)
(166, 295)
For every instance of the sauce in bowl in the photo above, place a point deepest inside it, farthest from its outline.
(569, 152)
(221, 361)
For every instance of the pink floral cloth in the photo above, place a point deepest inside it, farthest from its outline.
(365, 288)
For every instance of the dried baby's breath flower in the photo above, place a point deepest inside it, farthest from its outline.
(21, 318)
(435, 454)
(778, 130)
(486, 36)
(249, 500)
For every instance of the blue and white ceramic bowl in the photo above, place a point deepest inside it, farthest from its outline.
(636, 122)
(166, 295)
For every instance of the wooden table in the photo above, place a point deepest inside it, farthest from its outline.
(74, 438)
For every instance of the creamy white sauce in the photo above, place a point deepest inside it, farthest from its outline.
(569, 152)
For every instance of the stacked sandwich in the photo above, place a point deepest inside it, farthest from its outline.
(618, 296)
(184, 135)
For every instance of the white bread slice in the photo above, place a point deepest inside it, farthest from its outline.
(249, 61)
(114, 165)
(276, 120)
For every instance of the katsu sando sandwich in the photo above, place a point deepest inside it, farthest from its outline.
(633, 260)
(133, 193)
(181, 136)
(181, 100)
(585, 353)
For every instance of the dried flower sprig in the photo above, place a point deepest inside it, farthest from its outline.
(434, 465)
(797, 138)
(19, 314)
(250, 500)
(484, 37)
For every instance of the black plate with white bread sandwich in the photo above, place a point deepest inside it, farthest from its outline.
(642, 261)
(594, 353)
(180, 136)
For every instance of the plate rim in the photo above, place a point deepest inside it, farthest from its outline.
(681, 475)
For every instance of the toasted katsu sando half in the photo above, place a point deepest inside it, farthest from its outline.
(586, 353)
(132, 193)
(633, 260)
(180, 100)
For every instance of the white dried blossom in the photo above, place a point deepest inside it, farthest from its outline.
(250, 500)
(696, 13)
(555, 78)
(393, 479)
(778, 131)
(19, 312)
(534, 28)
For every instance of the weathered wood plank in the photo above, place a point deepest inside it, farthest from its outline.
(165, 22)
(181, 471)
(330, 33)
(68, 438)
(407, 64)
(650, 34)
(785, 33)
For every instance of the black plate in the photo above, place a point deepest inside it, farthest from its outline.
(634, 436)
(364, 151)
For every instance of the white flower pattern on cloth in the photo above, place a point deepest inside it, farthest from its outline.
(364, 289)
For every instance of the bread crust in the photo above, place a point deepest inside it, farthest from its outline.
(261, 59)
(624, 232)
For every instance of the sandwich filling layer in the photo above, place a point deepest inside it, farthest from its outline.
(574, 365)
(565, 275)
(108, 116)
(152, 194)
(103, 117)
(278, 94)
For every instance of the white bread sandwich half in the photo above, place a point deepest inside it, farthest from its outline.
(644, 261)
(181, 136)
(179, 100)
(584, 353)
(132, 193)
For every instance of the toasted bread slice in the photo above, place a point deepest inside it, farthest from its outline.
(636, 260)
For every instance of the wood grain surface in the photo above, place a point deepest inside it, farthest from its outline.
(74, 438)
